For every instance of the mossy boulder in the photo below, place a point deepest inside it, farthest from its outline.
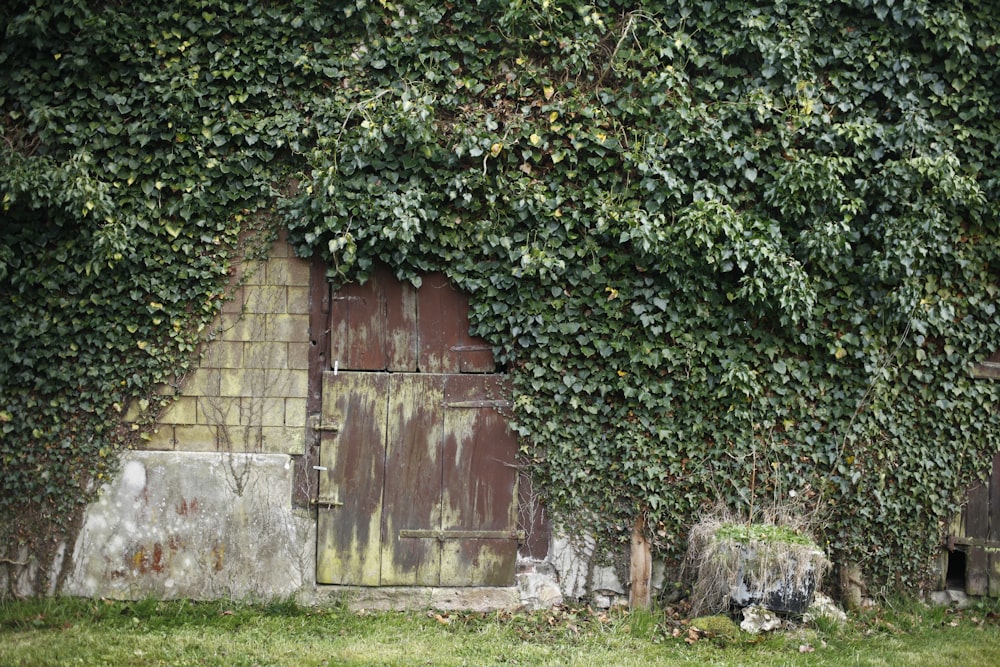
(771, 563)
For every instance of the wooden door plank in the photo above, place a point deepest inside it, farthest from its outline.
(436, 312)
(480, 484)
(993, 574)
(977, 526)
(445, 345)
(993, 569)
(474, 357)
(977, 565)
(977, 514)
(357, 328)
(412, 496)
(373, 326)
(994, 500)
(400, 330)
(352, 462)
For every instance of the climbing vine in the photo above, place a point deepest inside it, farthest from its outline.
(728, 251)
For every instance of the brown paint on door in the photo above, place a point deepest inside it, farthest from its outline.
(413, 481)
(373, 326)
(351, 477)
(420, 484)
(418, 476)
(977, 533)
(443, 331)
(480, 484)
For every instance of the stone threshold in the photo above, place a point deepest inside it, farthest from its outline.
(414, 598)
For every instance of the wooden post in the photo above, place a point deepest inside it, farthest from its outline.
(977, 527)
(640, 567)
(852, 585)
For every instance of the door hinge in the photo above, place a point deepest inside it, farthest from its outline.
(478, 404)
(442, 535)
(327, 502)
(315, 422)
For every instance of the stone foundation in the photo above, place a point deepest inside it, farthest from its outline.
(197, 526)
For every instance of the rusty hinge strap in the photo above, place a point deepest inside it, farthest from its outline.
(442, 535)
(315, 422)
(989, 370)
(327, 502)
(973, 542)
(478, 404)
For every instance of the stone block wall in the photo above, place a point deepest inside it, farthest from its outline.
(248, 393)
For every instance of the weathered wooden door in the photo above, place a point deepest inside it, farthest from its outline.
(977, 535)
(418, 483)
(976, 531)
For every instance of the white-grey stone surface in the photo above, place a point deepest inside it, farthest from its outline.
(194, 525)
(757, 619)
(580, 573)
(538, 589)
(950, 598)
(823, 606)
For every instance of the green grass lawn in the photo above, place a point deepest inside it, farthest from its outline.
(100, 632)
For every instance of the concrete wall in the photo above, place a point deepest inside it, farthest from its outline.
(198, 525)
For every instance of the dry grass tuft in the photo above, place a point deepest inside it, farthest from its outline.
(775, 548)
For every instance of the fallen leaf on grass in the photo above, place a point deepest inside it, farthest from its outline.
(694, 634)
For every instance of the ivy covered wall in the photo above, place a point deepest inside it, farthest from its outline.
(729, 251)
